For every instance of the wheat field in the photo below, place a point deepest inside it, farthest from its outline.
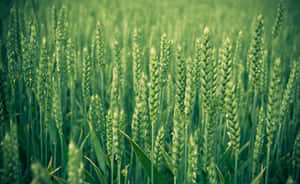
(149, 91)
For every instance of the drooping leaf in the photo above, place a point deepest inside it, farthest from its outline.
(59, 180)
(98, 149)
(145, 161)
(244, 147)
(89, 177)
(258, 177)
(222, 180)
(84, 141)
(100, 176)
(168, 160)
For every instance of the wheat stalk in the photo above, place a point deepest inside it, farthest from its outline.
(153, 100)
(272, 106)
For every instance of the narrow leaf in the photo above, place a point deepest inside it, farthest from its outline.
(84, 141)
(59, 180)
(258, 177)
(89, 177)
(98, 149)
(168, 160)
(97, 170)
(220, 175)
(145, 161)
(54, 171)
(244, 147)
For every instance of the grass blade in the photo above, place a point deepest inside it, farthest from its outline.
(258, 177)
(145, 161)
(97, 170)
(98, 149)
(168, 160)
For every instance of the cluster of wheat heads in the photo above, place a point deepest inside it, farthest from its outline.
(104, 99)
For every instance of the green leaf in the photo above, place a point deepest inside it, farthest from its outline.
(97, 170)
(168, 160)
(54, 171)
(84, 141)
(59, 180)
(89, 177)
(220, 175)
(98, 149)
(258, 177)
(244, 147)
(145, 161)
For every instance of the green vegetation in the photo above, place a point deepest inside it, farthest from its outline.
(149, 91)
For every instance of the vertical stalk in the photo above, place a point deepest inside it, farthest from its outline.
(185, 151)
(54, 157)
(152, 153)
(254, 104)
(112, 168)
(268, 160)
(236, 167)
(297, 174)
(72, 104)
(46, 133)
(102, 84)
(62, 151)
(222, 122)
(137, 174)
(46, 146)
(119, 172)
(131, 162)
(41, 134)
(277, 141)
(30, 116)
(125, 179)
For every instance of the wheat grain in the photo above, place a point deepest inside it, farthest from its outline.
(232, 118)
(259, 142)
(75, 165)
(86, 76)
(158, 145)
(12, 164)
(96, 116)
(100, 45)
(255, 53)
(137, 59)
(273, 102)
(279, 19)
(192, 161)
(226, 68)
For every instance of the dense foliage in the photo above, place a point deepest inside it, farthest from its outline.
(133, 91)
